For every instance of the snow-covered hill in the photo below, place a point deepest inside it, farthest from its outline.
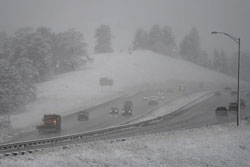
(69, 92)
(220, 145)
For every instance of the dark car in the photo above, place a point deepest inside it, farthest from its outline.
(221, 111)
(217, 93)
(83, 116)
(113, 111)
(153, 102)
(242, 103)
(233, 107)
(227, 88)
(127, 108)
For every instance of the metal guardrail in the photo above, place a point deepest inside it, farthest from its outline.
(12, 148)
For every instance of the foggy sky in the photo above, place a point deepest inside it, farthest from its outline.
(125, 16)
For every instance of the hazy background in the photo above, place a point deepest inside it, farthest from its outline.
(125, 16)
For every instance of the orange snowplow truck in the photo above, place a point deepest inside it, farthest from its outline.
(51, 123)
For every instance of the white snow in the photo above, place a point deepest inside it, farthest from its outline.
(220, 145)
(71, 92)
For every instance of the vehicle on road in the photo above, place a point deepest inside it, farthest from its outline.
(146, 97)
(161, 94)
(217, 93)
(127, 108)
(51, 123)
(242, 103)
(221, 111)
(83, 116)
(153, 101)
(180, 88)
(227, 88)
(113, 111)
(232, 107)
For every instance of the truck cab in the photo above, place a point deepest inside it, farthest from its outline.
(51, 123)
(127, 108)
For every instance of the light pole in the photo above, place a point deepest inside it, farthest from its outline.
(237, 40)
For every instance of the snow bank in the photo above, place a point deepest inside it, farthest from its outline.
(220, 145)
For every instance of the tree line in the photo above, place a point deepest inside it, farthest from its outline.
(32, 56)
(161, 40)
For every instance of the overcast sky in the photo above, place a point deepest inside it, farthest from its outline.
(125, 16)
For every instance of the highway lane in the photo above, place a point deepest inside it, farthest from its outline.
(200, 115)
(99, 116)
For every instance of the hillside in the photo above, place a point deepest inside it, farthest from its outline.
(69, 92)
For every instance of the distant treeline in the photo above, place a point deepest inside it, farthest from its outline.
(161, 40)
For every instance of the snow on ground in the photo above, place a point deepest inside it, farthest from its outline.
(220, 145)
(71, 92)
(172, 105)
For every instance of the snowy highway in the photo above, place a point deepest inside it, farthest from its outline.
(199, 115)
(99, 116)
(191, 116)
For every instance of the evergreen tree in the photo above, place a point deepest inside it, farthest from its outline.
(154, 41)
(168, 41)
(68, 49)
(103, 38)
(220, 62)
(140, 39)
(12, 94)
(159, 40)
(190, 46)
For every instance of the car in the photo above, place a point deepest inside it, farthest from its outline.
(233, 93)
(180, 88)
(146, 97)
(242, 103)
(113, 111)
(217, 93)
(233, 107)
(83, 116)
(161, 94)
(127, 108)
(153, 102)
(227, 88)
(221, 111)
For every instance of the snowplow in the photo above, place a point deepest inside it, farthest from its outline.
(51, 123)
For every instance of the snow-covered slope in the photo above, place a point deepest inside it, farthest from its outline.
(221, 145)
(68, 92)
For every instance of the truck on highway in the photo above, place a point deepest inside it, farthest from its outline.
(127, 108)
(51, 123)
(161, 94)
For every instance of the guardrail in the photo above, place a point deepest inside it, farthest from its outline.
(6, 149)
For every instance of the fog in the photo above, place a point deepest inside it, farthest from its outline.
(124, 17)
(76, 71)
